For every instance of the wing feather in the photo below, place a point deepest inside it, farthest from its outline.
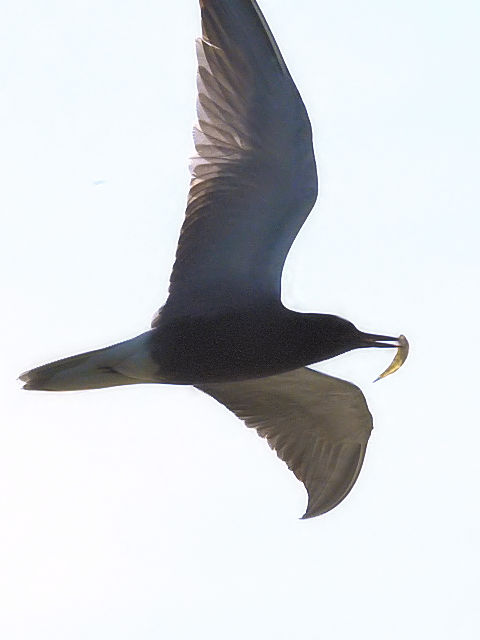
(318, 425)
(253, 176)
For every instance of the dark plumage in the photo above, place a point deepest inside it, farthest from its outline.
(241, 345)
(223, 327)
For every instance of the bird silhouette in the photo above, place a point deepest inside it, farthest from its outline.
(223, 327)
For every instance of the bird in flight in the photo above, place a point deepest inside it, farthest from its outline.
(223, 327)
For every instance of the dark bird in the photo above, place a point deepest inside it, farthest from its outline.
(223, 327)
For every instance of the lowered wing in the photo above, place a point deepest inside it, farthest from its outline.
(317, 424)
(254, 179)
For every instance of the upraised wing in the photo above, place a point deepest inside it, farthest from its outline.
(317, 424)
(254, 179)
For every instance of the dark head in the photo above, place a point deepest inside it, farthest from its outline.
(336, 335)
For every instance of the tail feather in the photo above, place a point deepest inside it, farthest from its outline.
(119, 364)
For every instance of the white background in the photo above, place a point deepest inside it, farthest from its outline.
(151, 512)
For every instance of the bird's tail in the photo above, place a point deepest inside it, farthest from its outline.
(119, 364)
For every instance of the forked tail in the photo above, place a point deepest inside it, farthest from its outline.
(124, 363)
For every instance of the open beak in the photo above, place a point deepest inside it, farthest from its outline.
(375, 340)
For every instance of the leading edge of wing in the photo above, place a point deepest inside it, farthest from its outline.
(254, 176)
(317, 424)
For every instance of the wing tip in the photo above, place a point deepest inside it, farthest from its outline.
(319, 504)
(313, 513)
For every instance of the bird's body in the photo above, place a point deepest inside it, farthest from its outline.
(237, 346)
(223, 327)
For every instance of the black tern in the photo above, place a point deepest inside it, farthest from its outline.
(223, 328)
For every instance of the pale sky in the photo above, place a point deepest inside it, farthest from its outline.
(150, 511)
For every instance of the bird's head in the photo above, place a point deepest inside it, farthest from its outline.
(342, 335)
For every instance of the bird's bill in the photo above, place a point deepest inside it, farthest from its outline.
(376, 340)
